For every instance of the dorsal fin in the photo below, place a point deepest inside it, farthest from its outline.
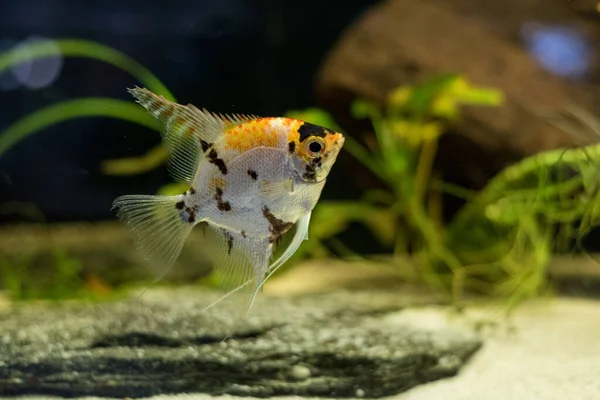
(186, 130)
(232, 119)
(240, 118)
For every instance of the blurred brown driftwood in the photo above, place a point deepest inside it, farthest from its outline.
(402, 42)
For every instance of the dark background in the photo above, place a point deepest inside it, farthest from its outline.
(244, 56)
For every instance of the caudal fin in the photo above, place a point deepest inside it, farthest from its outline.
(158, 228)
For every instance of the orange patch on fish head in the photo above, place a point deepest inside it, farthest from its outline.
(293, 137)
(251, 134)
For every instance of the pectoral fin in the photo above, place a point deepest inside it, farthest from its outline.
(276, 190)
(243, 268)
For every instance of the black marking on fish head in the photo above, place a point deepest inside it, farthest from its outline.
(292, 146)
(307, 130)
(310, 174)
(252, 174)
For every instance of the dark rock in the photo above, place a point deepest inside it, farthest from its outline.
(403, 42)
(333, 345)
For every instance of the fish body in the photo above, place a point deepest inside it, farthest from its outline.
(250, 180)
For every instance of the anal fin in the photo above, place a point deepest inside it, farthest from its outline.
(240, 263)
(245, 273)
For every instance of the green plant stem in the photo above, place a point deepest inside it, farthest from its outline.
(358, 151)
(137, 165)
(435, 245)
(454, 190)
(424, 167)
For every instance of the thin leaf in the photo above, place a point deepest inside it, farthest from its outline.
(85, 49)
(153, 158)
(63, 111)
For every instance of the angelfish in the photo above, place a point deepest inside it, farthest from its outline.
(250, 181)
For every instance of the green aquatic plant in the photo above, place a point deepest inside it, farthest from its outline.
(14, 272)
(87, 107)
(539, 206)
(60, 277)
(406, 132)
(501, 241)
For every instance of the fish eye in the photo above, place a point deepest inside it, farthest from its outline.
(315, 146)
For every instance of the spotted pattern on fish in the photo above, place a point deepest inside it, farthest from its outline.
(252, 174)
(155, 104)
(311, 173)
(278, 227)
(229, 243)
(213, 158)
(217, 182)
(188, 214)
(291, 147)
(175, 120)
(222, 205)
(169, 114)
(205, 145)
